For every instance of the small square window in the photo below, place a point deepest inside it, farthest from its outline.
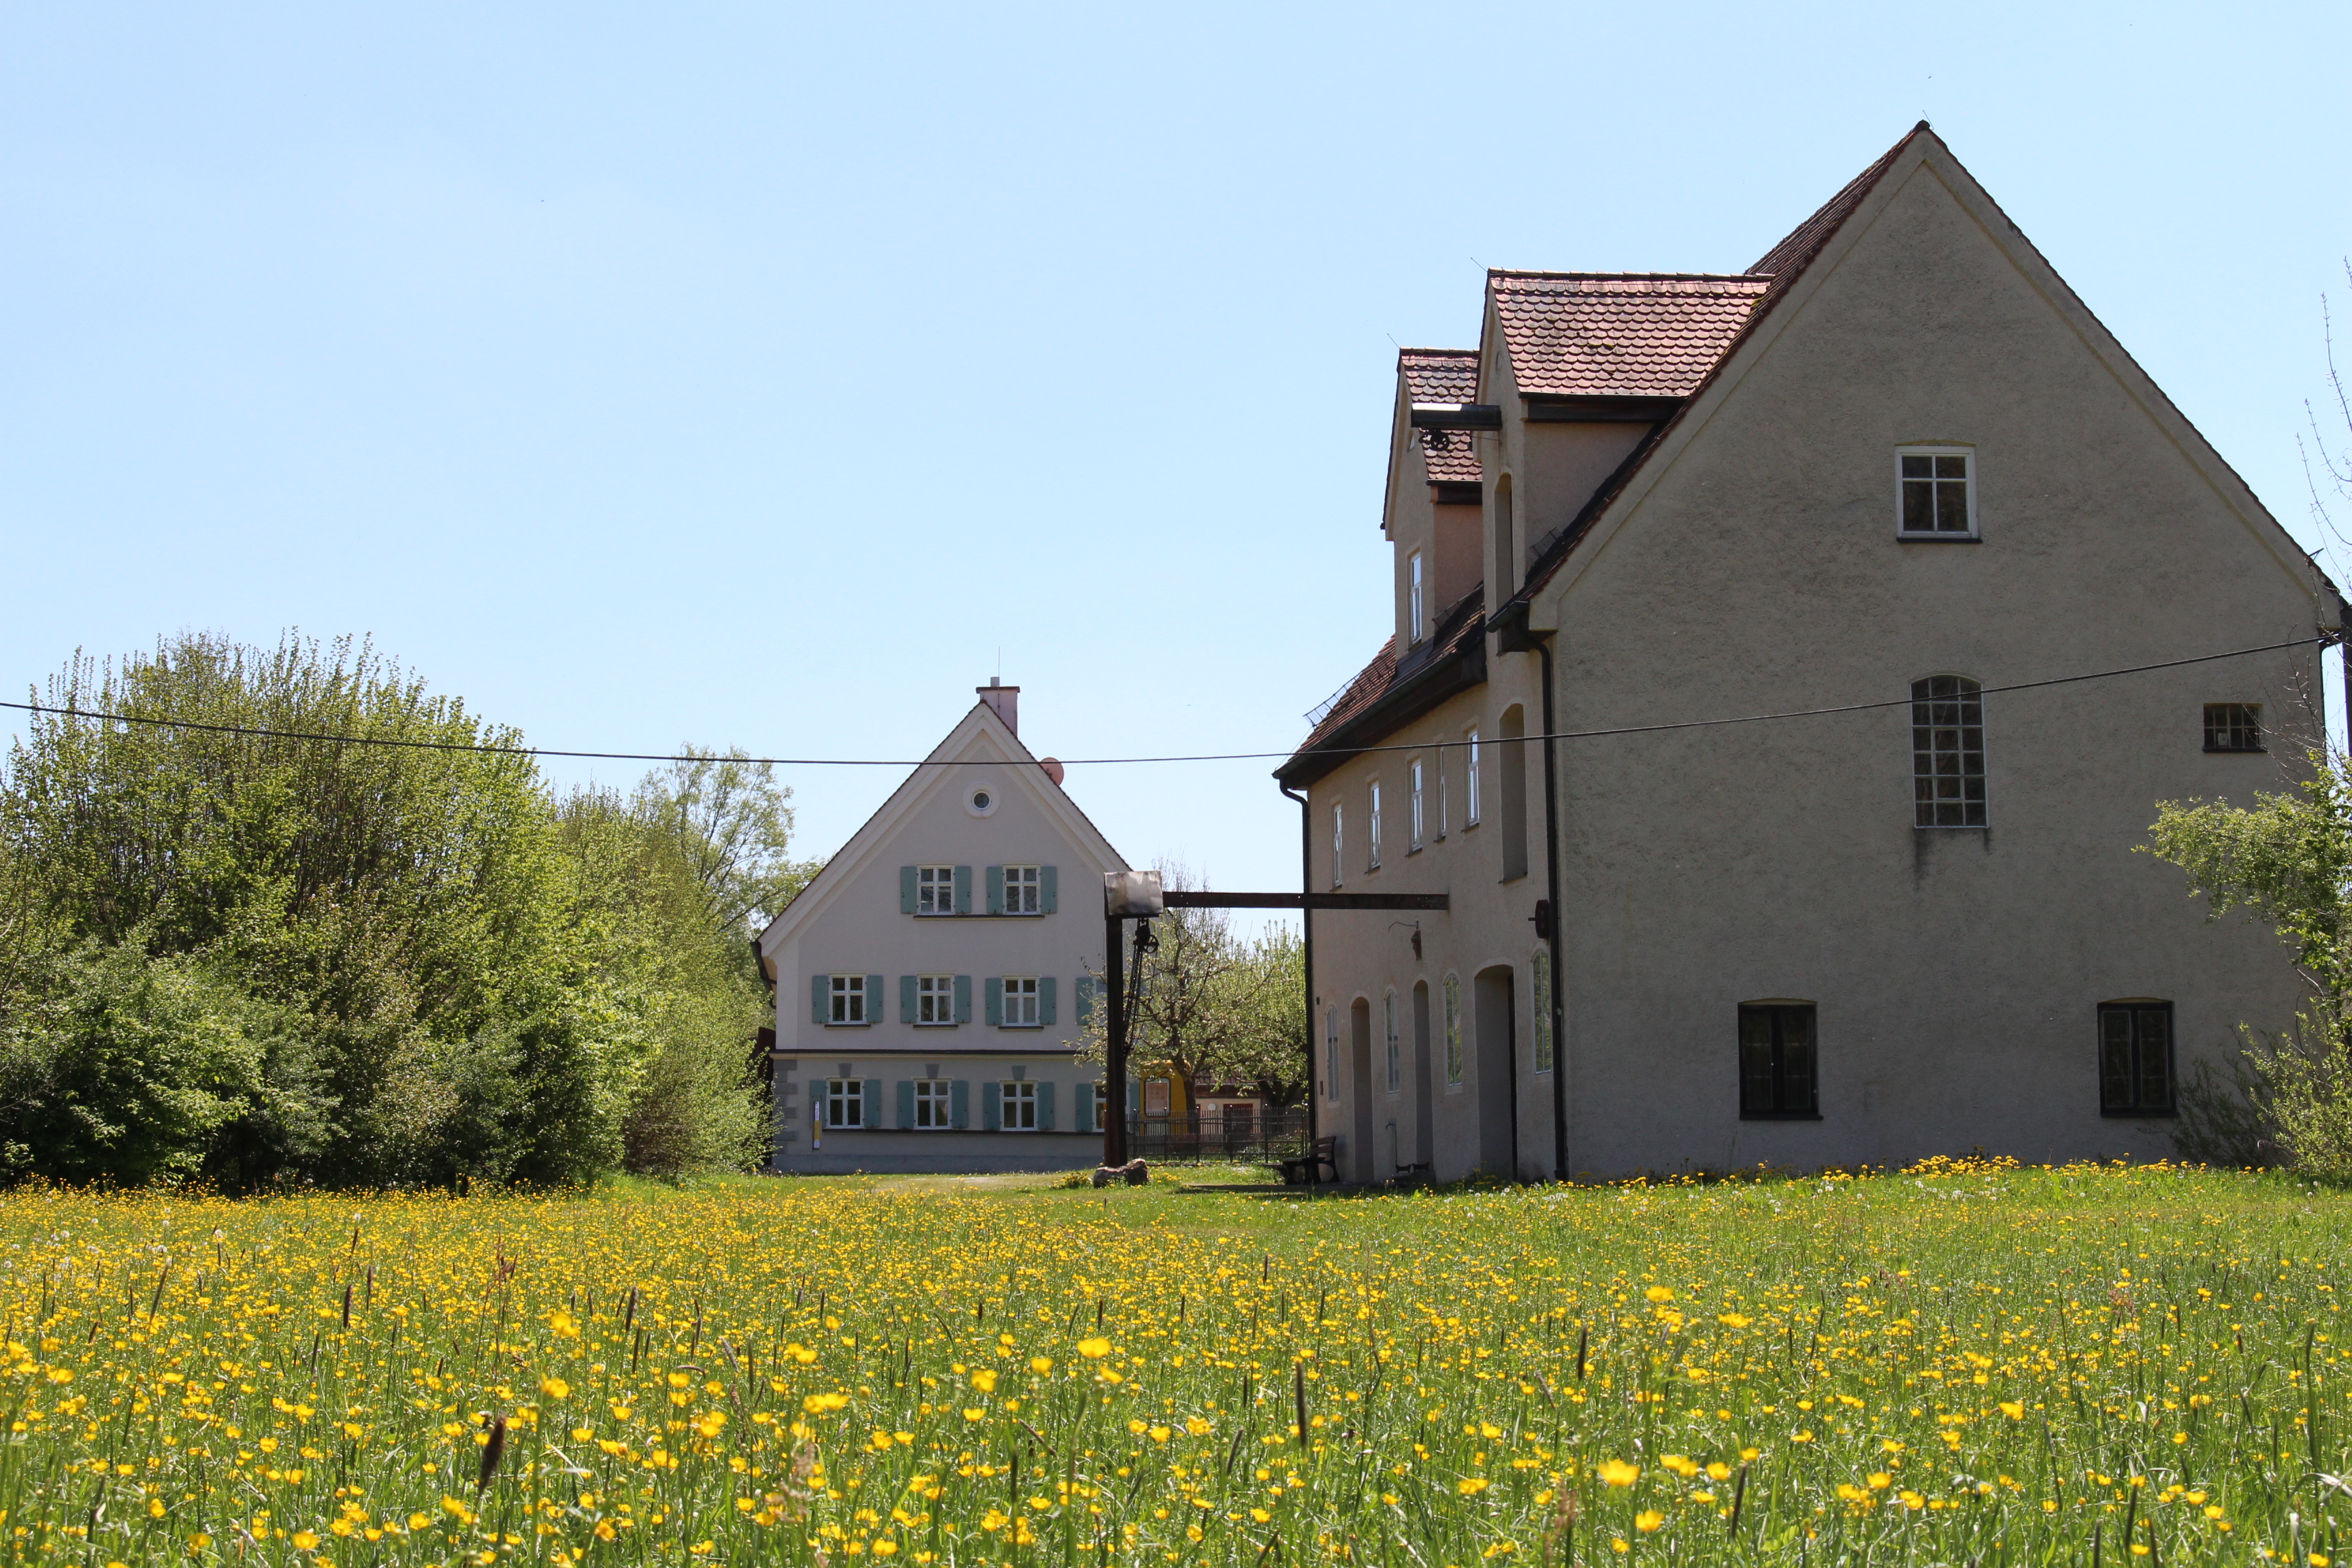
(1021, 890)
(2233, 726)
(1936, 495)
(2136, 1058)
(934, 999)
(935, 889)
(844, 1102)
(1021, 1002)
(848, 998)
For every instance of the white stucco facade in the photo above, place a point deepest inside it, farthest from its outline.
(932, 980)
(1736, 551)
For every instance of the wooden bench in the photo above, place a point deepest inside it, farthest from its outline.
(1309, 1167)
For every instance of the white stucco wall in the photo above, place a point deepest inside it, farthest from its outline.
(854, 924)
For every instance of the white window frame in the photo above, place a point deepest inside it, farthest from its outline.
(845, 1103)
(1372, 828)
(1967, 483)
(1470, 802)
(1016, 1106)
(1023, 890)
(1395, 1044)
(934, 1104)
(934, 1000)
(1444, 801)
(935, 889)
(1419, 809)
(847, 1008)
(1018, 1003)
(1414, 622)
(1452, 1031)
(1338, 844)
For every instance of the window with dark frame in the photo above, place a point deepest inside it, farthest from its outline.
(1777, 1062)
(1936, 495)
(2233, 726)
(1947, 769)
(2136, 1058)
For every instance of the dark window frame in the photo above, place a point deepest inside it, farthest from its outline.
(1947, 752)
(1780, 1065)
(2136, 1061)
(2235, 727)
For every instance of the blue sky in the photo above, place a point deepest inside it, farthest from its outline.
(763, 376)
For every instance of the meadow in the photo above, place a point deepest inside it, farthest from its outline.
(1964, 1363)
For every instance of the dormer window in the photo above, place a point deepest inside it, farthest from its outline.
(1415, 621)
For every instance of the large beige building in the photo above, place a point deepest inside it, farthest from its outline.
(1819, 866)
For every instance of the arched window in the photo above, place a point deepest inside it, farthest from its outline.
(1511, 762)
(1948, 764)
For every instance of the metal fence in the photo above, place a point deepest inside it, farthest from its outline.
(1245, 1140)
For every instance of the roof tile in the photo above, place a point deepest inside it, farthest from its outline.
(1600, 334)
(1443, 375)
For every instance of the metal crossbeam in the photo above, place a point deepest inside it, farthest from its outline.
(1178, 898)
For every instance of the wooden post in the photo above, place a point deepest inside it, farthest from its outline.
(1115, 1050)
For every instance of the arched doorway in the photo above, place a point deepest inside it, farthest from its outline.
(1359, 1156)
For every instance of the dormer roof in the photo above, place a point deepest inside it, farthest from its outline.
(1443, 375)
(1617, 334)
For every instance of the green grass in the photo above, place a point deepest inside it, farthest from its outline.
(1953, 1364)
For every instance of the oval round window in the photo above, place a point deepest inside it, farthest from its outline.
(980, 799)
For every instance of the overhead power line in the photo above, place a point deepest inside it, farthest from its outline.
(1116, 761)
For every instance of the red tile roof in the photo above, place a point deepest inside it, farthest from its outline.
(1461, 625)
(1598, 334)
(1443, 375)
(1804, 242)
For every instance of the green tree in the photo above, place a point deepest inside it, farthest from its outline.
(2287, 859)
(1217, 1008)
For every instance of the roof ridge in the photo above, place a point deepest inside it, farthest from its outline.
(1749, 277)
(1801, 244)
(1439, 353)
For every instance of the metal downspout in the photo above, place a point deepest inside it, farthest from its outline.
(1551, 876)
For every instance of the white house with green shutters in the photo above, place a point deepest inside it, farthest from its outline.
(931, 988)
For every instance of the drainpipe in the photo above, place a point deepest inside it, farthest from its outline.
(1513, 635)
(1551, 876)
(1306, 943)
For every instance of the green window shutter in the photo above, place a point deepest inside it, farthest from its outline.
(1134, 1095)
(906, 890)
(872, 998)
(959, 1103)
(1045, 1108)
(1085, 994)
(872, 1103)
(907, 1008)
(963, 890)
(1048, 883)
(1086, 1108)
(994, 988)
(996, 890)
(1045, 1010)
(819, 985)
(991, 1111)
(963, 999)
(906, 1103)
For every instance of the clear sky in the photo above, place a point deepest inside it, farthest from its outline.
(764, 375)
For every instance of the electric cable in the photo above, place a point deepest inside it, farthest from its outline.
(1327, 750)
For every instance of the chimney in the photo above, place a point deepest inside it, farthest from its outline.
(1005, 699)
